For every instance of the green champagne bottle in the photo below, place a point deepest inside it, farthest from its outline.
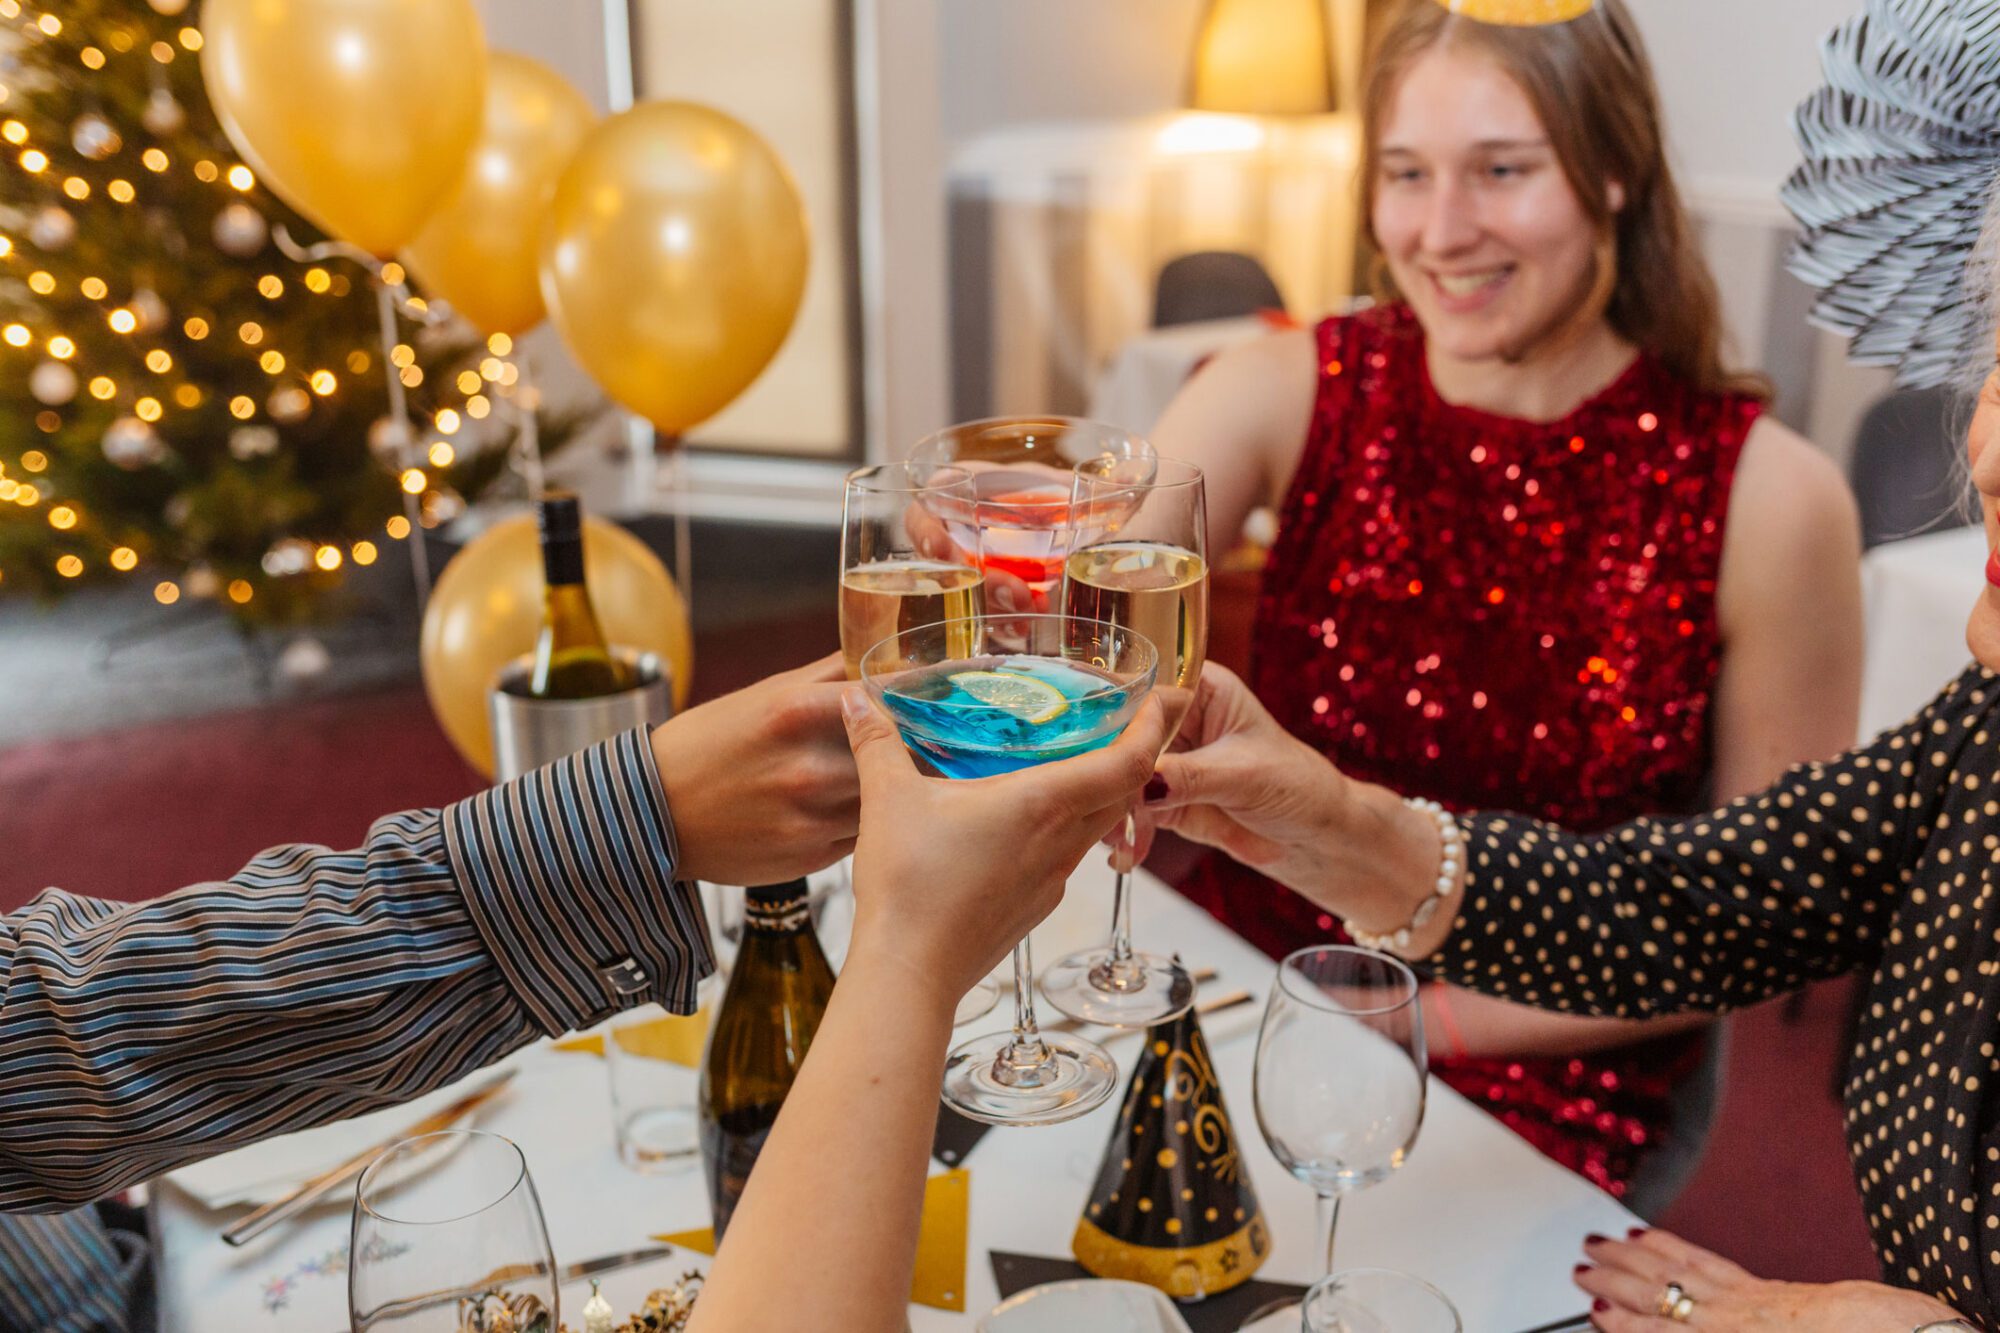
(572, 658)
(777, 995)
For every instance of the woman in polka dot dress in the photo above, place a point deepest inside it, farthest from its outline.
(1884, 862)
(1539, 550)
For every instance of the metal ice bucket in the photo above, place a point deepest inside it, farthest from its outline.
(529, 732)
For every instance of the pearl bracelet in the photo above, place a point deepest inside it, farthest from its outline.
(1453, 839)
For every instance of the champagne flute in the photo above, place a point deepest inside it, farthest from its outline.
(975, 699)
(1378, 1300)
(909, 555)
(447, 1235)
(1138, 548)
(1340, 1073)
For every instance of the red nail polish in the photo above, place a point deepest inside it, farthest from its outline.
(1579, 1270)
(1594, 1239)
(1156, 789)
(1636, 1232)
(1599, 1306)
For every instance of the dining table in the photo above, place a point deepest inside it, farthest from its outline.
(1474, 1209)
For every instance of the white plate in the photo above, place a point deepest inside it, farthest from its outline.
(1086, 1305)
(260, 1172)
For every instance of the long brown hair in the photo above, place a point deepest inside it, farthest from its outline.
(1593, 89)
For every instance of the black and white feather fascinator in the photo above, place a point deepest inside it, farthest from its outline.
(1902, 148)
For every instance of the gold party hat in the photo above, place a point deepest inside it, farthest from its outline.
(1520, 13)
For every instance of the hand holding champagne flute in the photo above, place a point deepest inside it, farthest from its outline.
(909, 556)
(1137, 560)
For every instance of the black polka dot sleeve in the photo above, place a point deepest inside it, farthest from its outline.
(1802, 881)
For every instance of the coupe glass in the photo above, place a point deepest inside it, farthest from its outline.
(1138, 558)
(975, 699)
(1377, 1300)
(448, 1235)
(1023, 471)
(909, 555)
(1340, 1075)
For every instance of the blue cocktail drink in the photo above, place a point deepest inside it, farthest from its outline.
(978, 698)
(999, 714)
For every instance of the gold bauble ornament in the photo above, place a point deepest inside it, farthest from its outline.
(487, 609)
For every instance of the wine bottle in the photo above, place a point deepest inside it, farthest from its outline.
(572, 658)
(778, 992)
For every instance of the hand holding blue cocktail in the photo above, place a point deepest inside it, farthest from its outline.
(979, 698)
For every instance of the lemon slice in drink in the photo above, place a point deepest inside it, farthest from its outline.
(1031, 700)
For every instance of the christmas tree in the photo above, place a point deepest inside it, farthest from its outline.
(180, 403)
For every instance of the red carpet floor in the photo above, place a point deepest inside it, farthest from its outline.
(139, 812)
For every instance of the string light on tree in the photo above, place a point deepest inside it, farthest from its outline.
(138, 235)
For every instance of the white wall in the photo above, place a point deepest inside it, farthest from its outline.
(1730, 73)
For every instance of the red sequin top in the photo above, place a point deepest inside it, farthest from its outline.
(1500, 615)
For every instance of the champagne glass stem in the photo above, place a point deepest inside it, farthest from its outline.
(1121, 910)
(1028, 1052)
(1328, 1214)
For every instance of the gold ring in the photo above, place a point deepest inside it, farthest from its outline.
(1674, 1303)
(1683, 1309)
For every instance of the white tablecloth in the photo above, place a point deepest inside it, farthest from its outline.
(1918, 594)
(1150, 369)
(1476, 1211)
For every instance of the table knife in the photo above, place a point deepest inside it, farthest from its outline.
(256, 1223)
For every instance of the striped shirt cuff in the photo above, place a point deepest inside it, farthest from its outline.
(569, 874)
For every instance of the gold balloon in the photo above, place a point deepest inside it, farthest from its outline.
(487, 607)
(358, 113)
(478, 249)
(674, 259)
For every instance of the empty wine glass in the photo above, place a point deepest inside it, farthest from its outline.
(1377, 1300)
(448, 1235)
(1340, 1073)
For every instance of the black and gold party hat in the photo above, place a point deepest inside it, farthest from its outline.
(1173, 1206)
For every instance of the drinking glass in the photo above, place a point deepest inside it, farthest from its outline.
(1138, 558)
(447, 1228)
(975, 699)
(652, 1066)
(909, 555)
(1340, 1074)
(1022, 473)
(1377, 1300)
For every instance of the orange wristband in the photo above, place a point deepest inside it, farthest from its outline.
(1441, 1002)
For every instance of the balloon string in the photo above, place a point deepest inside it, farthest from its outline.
(427, 313)
(683, 526)
(399, 412)
(524, 410)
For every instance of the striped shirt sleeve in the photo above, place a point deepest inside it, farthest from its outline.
(314, 985)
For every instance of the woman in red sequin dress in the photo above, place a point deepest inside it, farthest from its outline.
(1538, 550)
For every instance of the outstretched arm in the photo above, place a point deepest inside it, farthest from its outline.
(1658, 916)
(316, 984)
(947, 876)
